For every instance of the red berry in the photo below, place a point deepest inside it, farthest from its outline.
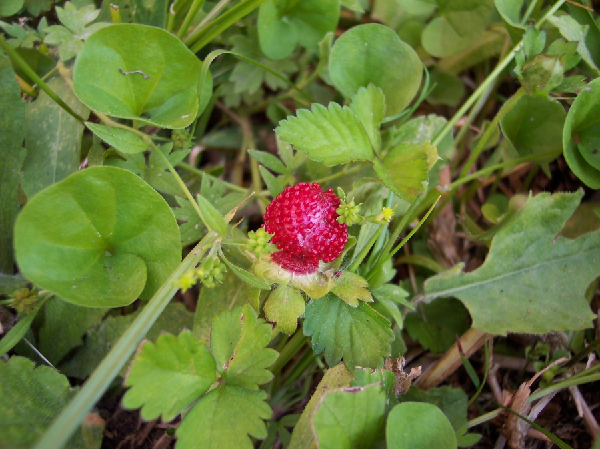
(303, 220)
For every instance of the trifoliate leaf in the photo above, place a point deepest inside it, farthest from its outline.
(405, 169)
(369, 106)
(183, 363)
(284, 305)
(351, 287)
(531, 281)
(350, 418)
(224, 418)
(358, 334)
(239, 343)
(332, 135)
(30, 399)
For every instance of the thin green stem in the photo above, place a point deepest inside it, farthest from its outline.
(489, 80)
(292, 346)
(14, 56)
(571, 382)
(212, 14)
(527, 14)
(196, 5)
(199, 172)
(71, 416)
(490, 130)
(363, 253)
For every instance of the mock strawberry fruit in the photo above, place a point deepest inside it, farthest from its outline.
(303, 221)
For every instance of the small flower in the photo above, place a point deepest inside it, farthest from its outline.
(258, 243)
(349, 213)
(186, 281)
(385, 216)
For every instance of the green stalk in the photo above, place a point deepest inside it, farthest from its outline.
(205, 23)
(199, 38)
(71, 416)
(363, 253)
(16, 59)
(489, 80)
(490, 130)
(196, 5)
(290, 349)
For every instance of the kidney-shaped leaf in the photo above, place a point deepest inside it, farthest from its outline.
(138, 72)
(418, 425)
(100, 238)
(374, 53)
(581, 136)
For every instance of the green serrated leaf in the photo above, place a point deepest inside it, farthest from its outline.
(405, 169)
(390, 296)
(332, 135)
(52, 139)
(284, 305)
(417, 425)
(239, 344)
(575, 32)
(369, 106)
(350, 418)
(30, 399)
(224, 418)
(121, 139)
(211, 217)
(181, 362)
(350, 287)
(360, 335)
(531, 281)
(12, 133)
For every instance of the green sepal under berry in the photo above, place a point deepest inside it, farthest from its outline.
(183, 363)
(359, 335)
(239, 343)
(284, 305)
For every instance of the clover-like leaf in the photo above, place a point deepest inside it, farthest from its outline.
(181, 362)
(284, 24)
(350, 418)
(418, 425)
(30, 399)
(119, 138)
(101, 238)
(351, 288)
(534, 125)
(581, 136)
(239, 343)
(405, 169)
(138, 72)
(373, 53)
(531, 281)
(332, 135)
(358, 334)
(459, 24)
(284, 305)
(224, 418)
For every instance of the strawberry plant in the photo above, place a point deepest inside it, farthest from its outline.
(286, 223)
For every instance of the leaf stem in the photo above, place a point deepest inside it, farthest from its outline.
(70, 417)
(16, 58)
(292, 346)
(490, 130)
(196, 5)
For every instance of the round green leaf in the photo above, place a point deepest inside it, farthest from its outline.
(373, 53)
(581, 133)
(100, 238)
(138, 72)
(282, 25)
(418, 425)
(10, 7)
(534, 125)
